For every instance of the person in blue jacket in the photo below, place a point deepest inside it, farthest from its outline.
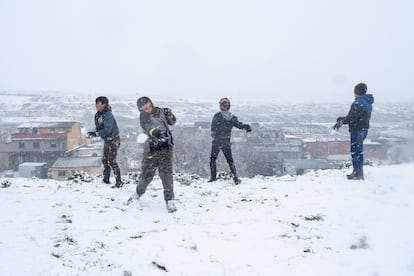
(358, 119)
(107, 129)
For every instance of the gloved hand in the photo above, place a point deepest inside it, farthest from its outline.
(155, 132)
(92, 134)
(167, 112)
(247, 127)
(338, 123)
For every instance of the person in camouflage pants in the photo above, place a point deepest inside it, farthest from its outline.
(158, 150)
(107, 129)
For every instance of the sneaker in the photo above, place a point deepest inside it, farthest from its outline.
(211, 180)
(171, 206)
(237, 181)
(132, 198)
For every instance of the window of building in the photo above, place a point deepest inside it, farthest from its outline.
(35, 145)
(52, 130)
(21, 145)
(35, 130)
(61, 173)
(53, 144)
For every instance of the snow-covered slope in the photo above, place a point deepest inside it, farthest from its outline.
(316, 224)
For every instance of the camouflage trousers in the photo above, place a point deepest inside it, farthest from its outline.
(160, 159)
(109, 156)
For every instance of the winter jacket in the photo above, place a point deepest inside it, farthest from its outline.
(106, 124)
(360, 113)
(160, 118)
(221, 127)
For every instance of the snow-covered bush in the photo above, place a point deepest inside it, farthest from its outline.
(186, 179)
(5, 184)
(131, 178)
(79, 176)
(224, 175)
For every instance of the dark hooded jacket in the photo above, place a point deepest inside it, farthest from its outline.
(160, 118)
(360, 113)
(221, 126)
(106, 124)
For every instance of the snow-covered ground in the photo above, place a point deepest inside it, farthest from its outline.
(316, 224)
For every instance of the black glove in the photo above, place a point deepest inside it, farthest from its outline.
(155, 132)
(167, 112)
(338, 125)
(92, 134)
(247, 127)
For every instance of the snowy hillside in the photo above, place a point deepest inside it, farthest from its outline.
(316, 224)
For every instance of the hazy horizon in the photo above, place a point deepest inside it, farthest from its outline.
(276, 51)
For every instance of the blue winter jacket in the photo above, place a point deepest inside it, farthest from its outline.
(360, 113)
(106, 124)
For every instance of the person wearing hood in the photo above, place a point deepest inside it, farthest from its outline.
(357, 120)
(106, 127)
(158, 150)
(221, 127)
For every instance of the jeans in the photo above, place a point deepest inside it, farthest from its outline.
(357, 150)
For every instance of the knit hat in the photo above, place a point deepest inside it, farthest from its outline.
(143, 101)
(224, 104)
(360, 89)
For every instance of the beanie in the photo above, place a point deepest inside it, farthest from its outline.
(360, 89)
(142, 101)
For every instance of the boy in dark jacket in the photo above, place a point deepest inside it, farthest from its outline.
(358, 121)
(158, 150)
(221, 127)
(107, 129)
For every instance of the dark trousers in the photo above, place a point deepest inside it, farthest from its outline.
(160, 159)
(109, 156)
(225, 147)
(357, 150)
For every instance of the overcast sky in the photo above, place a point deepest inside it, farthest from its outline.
(287, 51)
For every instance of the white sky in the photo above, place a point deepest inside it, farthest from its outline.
(297, 50)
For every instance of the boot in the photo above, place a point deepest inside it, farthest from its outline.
(106, 173)
(351, 174)
(236, 179)
(171, 206)
(119, 182)
(132, 198)
(356, 177)
(213, 171)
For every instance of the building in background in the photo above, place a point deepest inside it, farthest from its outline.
(43, 142)
(64, 166)
(32, 169)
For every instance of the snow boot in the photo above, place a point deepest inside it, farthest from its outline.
(171, 206)
(236, 179)
(119, 182)
(132, 198)
(213, 171)
(351, 174)
(355, 177)
(106, 173)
